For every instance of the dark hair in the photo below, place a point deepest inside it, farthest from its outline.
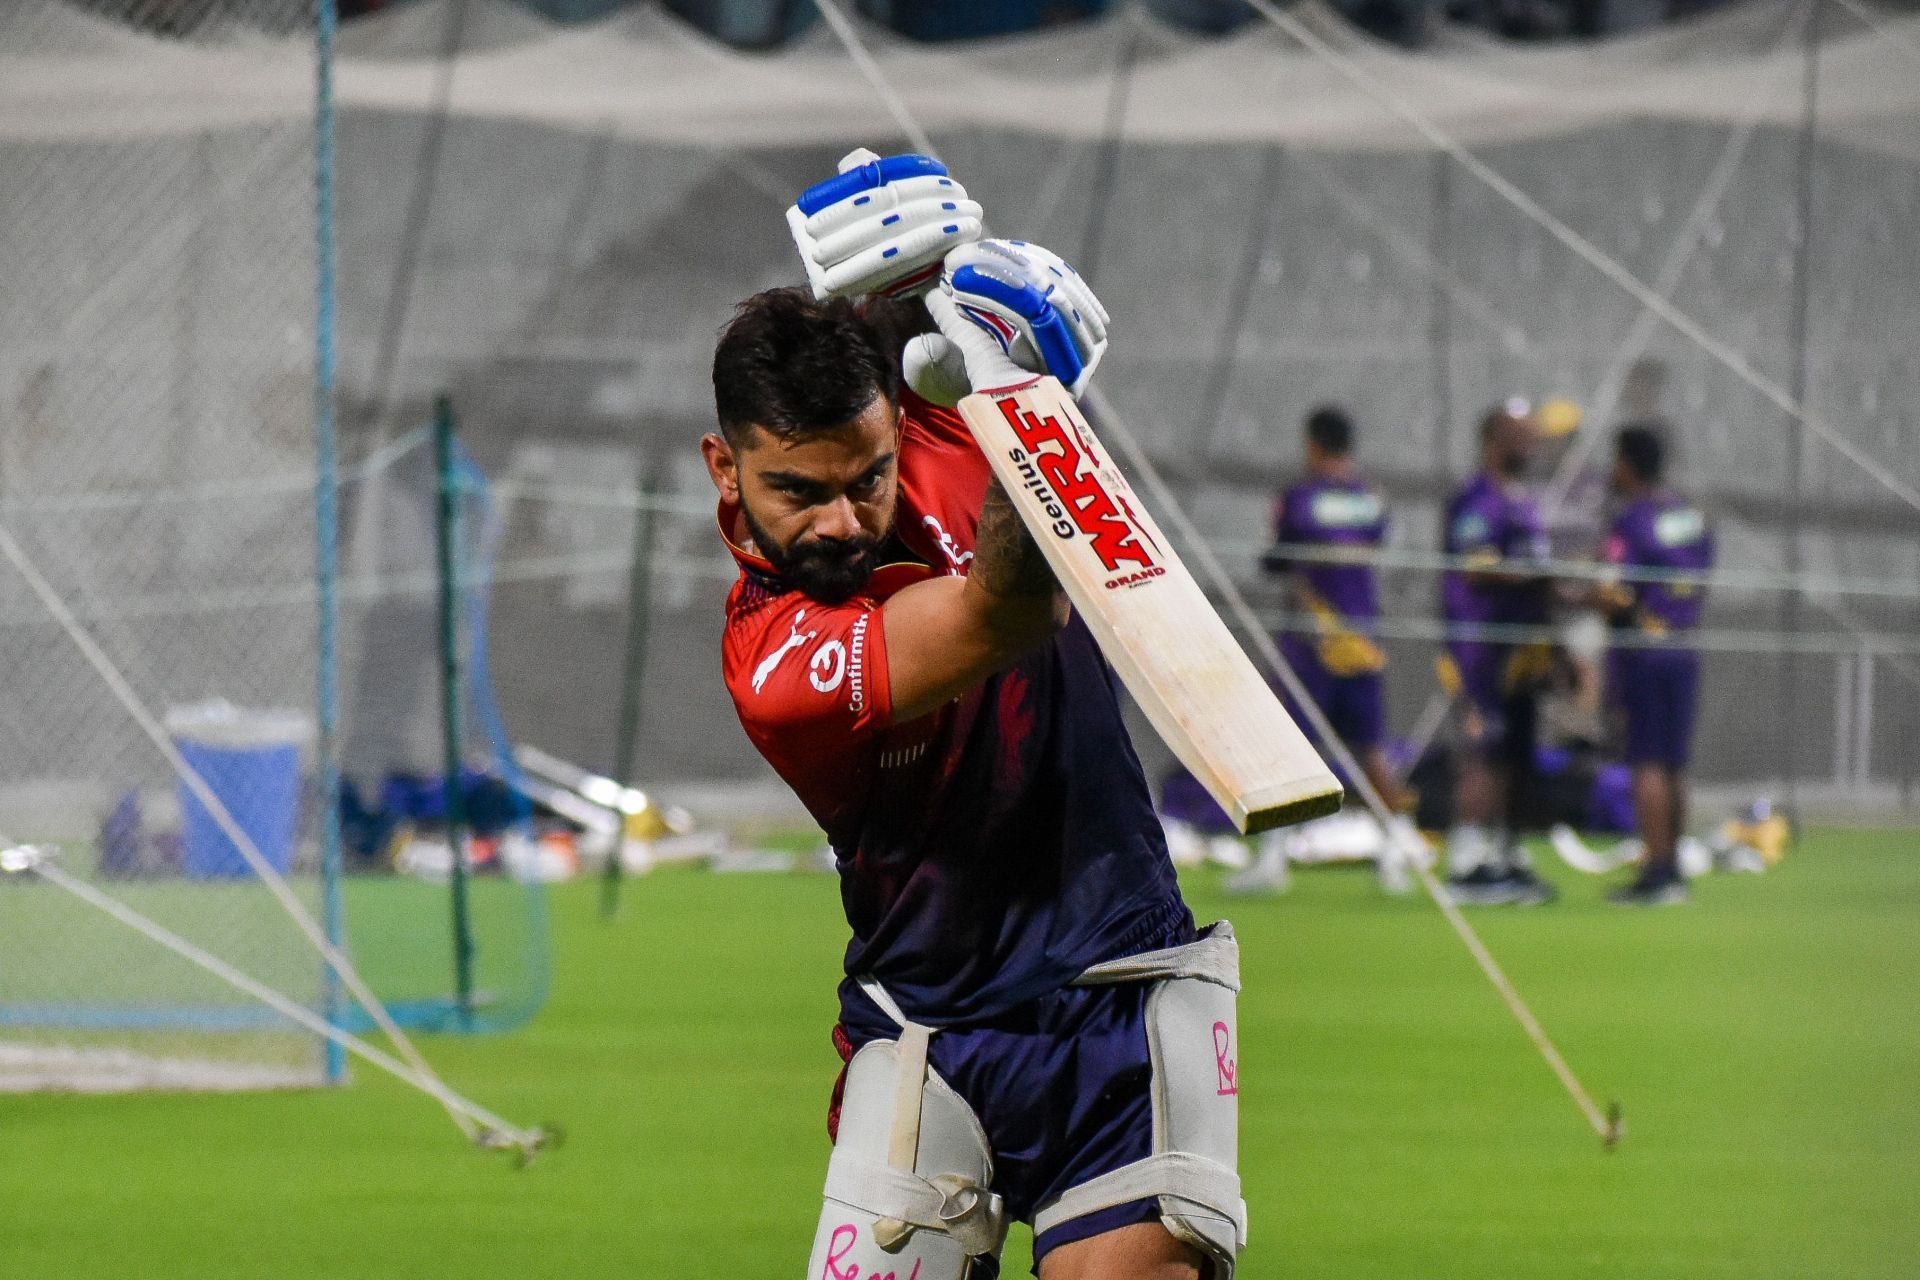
(1643, 451)
(792, 365)
(895, 321)
(1329, 427)
(1496, 419)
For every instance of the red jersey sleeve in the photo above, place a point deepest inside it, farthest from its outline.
(943, 477)
(808, 679)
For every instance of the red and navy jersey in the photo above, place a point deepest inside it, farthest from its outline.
(988, 851)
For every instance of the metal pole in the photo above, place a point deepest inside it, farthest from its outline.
(1800, 322)
(1863, 724)
(633, 669)
(1213, 409)
(1440, 312)
(1842, 719)
(326, 528)
(383, 385)
(445, 529)
(1108, 162)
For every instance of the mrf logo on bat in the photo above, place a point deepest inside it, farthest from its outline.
(1058, 464)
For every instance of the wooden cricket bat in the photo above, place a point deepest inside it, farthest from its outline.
(1153, 622)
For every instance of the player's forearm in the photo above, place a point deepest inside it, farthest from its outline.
(1009, 579)
(946, 635)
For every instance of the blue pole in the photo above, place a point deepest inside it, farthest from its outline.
(446, 538)
(326, 520)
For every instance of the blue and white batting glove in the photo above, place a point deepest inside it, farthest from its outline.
(1038, 312)
(882, 226)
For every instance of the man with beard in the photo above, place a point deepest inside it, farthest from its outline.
(1032, 1027)
(1493, 527)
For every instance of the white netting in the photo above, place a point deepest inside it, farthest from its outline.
(644, 75)
(157, 464)
(1268, 235)
(558, 246)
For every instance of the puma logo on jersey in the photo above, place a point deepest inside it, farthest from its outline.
(948, 547)
(772, 660)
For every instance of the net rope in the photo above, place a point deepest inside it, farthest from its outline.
(480, 1125)
(1587, 251)
(243, 843)
(1646, 323)
(1605, 1126)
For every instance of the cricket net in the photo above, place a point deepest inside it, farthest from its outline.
(157, 480)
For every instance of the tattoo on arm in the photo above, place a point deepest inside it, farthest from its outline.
(1006, 560)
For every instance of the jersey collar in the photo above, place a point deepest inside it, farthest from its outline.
(752, 561)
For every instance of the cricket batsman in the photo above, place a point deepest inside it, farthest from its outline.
(1032, 1027)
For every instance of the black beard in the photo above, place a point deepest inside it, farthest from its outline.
(830, 570)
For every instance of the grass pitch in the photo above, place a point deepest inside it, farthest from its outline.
(1763, 1043)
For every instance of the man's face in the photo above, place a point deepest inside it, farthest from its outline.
(1510, 444)
(817, 507)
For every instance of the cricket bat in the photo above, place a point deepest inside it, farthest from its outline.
(1151, 619)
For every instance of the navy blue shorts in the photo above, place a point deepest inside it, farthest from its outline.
(1062, 1086)
(1355, 705)
(1659, 689)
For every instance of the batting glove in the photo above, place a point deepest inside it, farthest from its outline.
(882, 226)
(1037, 312)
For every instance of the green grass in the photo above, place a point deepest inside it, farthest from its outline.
(1396, 1124)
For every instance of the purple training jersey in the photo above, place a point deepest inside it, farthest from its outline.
(1334, 513)
(1662, 531)
(1490, 520)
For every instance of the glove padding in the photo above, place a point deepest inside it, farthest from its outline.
(1033, 311)
(882, 226)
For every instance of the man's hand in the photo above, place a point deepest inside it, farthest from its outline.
(1007, 310)
(881, 226)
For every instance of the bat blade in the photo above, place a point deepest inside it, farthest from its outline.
(1151, 619)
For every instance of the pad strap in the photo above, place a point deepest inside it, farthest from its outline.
(903, 1143)
(1171, 1173)
(878, 994)
(903, 1137)
(960, 1203)
(1213, 957)
(975, 1217)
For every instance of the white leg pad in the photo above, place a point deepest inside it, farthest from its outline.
(1193, 1035)
(883, 1218)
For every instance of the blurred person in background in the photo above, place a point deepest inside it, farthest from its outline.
(1333, 507)
(1494, 532)
(1655, 681)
